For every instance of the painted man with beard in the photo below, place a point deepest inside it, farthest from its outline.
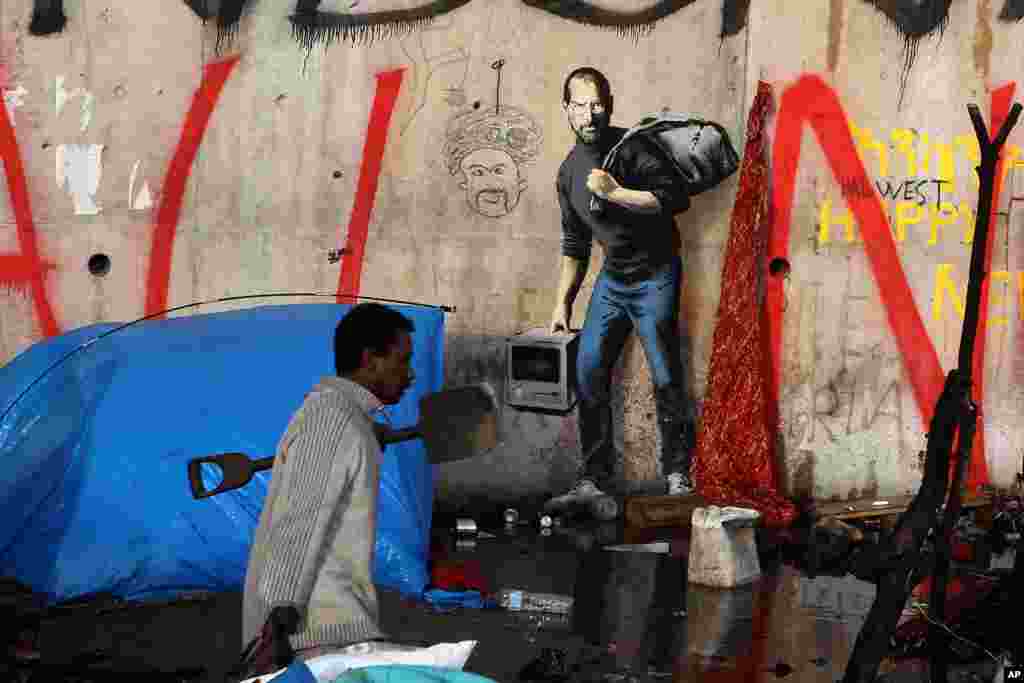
(491, 181)
(487, 148)
(638, 287)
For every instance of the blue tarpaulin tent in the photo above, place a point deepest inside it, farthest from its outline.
(94, 494)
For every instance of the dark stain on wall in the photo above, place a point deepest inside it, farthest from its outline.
(983, 39)
(472, 358)
(1013, 10)
(47, 17)
(635, 23)
(734, 16)
(801, 484)
(914, 19)
(311, 27)
(835, 32)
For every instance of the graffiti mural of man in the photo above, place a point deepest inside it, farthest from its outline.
(488, 148)
(639, 284)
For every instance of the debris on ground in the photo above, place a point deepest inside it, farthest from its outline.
(550, 665)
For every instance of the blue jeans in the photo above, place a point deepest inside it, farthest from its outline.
(651, 307)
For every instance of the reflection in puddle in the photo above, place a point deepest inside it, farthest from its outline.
(639, 611)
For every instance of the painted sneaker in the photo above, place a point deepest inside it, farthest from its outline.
(679, 484)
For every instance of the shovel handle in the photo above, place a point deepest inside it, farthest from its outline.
(238, 468)
(399, 435)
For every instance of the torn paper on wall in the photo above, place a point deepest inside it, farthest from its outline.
(79, 168)
(14, 99)
(87, 101)
(144, 198)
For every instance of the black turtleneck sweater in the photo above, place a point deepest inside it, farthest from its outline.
(636, 245)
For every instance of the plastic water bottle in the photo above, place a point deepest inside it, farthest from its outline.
(518, 600)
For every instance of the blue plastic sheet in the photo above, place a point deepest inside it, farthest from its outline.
(94, 494)
(297, 672)
(403, 673)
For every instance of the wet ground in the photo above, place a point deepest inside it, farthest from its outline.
(635, 617)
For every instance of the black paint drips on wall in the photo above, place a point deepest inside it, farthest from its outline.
(228, 18)
(734, 16)
(311, 27)
(47, 17)
(228, 14)
(201, 8)
(914, 19)
(632, 24)
(1013, 10)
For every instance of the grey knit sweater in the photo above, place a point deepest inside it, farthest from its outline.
(314, 544)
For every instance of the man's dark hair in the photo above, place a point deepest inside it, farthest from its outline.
(371, 327)
(591, 75)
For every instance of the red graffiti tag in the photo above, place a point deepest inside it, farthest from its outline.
(811, 100)
(388, 85)
(24, 268)
(162, 248)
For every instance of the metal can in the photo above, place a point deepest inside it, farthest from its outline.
(545, 521)
(465, 526)
(511, 516)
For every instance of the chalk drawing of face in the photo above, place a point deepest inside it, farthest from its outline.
(492, 183)
(487, 149)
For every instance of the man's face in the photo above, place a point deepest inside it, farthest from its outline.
(491, 181)
(391, 372)
(589, 116)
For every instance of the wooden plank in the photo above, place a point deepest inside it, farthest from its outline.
(661, 511)
(644, 512)
(865, 508)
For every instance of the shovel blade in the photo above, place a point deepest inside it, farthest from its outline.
(457, 424)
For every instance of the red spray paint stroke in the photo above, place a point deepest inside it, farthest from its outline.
(388, 85)
(1002, 99)
(161, 253)
(24, 268)
(811, 100)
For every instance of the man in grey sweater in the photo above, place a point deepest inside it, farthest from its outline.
(314, 545)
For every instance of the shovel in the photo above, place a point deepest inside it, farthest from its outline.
(455, 424)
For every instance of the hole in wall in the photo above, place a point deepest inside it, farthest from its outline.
(99, 264)
(779, 266)
(337, 174)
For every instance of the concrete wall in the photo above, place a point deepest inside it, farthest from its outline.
(285, 142)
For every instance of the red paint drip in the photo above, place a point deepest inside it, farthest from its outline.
(388, 85)
(162, 251)
(25, 268)
(811, 100)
